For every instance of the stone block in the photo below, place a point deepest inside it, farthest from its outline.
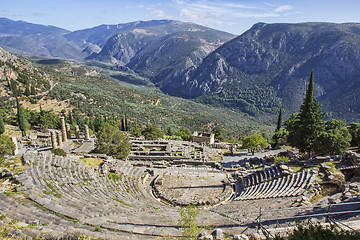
(240, 237)
(218, 234)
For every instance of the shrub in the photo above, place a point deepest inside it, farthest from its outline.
(59, 152)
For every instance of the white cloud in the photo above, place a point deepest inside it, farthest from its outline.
(158, 13)
(283, 8)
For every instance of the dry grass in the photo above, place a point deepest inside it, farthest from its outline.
(91, 162)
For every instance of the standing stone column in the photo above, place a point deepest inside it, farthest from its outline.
(14, 140)
(68, 133)
(77, 134)
(53, 140)
(59, 140)
(63, 128)
(87, 135)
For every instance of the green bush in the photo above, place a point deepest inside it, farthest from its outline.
(319, 232)
(281, 159)
(59, 152)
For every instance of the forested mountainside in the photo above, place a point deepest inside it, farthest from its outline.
(270, 64)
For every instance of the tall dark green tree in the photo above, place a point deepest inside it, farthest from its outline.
(305, 127)
(70, 118)
(354, 130)
(32, 90)
(279, 122)
(21, 118)
(2, 127)
(279, 138)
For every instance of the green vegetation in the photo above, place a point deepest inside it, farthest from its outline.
(281, 159)
(306, 126)
(218, 132)
(2, 126)
(58, 152)
(308, 132)
(335, 139)
(22, 122)
(184, 134)
(152, 132)
(92, 162)
(96, 95)
(254, 142)
(6, 147)
(114, 177)
(111, 141)
(319, 232)
(187, 222)
(354, 130)
(253, 100)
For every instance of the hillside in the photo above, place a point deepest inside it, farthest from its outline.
(275, 60)
(93, 92)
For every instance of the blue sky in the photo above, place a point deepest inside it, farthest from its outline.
(227, 15)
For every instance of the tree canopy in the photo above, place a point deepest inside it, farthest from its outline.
(184, 133)
(354, 130)
(335, 139)
(152, 132)
(6, 146)
(254, 142)
(304, 128)
(218, 131)
(111, 141)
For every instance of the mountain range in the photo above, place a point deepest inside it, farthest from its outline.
(266, 67)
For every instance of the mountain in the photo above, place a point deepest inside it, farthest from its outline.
(270, 64)
(100, 34)
(115, 44)
(35, 39)
(149, 47)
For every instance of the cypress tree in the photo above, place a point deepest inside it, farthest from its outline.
(2, 127)
(70, 118)
(279, 122)
(27, 90)
(32, 90)
(126, 124)
(21, 118)
(307, 126)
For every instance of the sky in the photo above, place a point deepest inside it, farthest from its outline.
(228, 15)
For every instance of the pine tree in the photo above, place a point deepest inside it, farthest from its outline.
(307, 126)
